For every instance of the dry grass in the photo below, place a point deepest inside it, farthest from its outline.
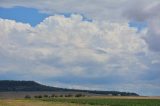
(34, 103)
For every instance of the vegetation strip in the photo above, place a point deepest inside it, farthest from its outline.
(110, 102)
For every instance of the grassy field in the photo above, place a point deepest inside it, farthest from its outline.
(109, 101)
(35, 103)
(84, 101)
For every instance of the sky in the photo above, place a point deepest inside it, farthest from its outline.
(89, 44)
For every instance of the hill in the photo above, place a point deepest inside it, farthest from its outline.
(18, 86)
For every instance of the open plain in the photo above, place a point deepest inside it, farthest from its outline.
(83, 101)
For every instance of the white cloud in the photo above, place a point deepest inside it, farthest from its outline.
(108, 10)
(76, 43)
(147, 12)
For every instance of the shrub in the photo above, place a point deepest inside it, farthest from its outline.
(39, 96)
(79, 95)
(69, 95)
(60, 95)
(45, 96)
(27, 97)
(53, 95)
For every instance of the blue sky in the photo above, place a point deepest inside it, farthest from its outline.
(34, 17)
(28, 15)
(73, 45)
(139, 25)
(22, 14)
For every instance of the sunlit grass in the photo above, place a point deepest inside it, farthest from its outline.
(34, 103)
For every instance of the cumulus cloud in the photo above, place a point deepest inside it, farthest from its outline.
(61, 45)
(147, 12)
(109, 10)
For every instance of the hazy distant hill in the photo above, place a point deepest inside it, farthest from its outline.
(8, 85)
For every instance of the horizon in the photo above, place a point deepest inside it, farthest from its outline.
(103, 45)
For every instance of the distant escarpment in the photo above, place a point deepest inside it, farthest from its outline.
(28, 86)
